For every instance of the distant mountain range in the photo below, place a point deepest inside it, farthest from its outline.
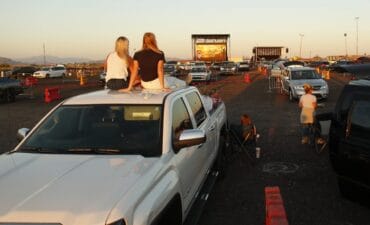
(39, 60)
(8, 61)
(52, 60)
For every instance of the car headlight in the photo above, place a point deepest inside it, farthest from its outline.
(298, 87)
(233, 68)
(221, 68)
(324, 87)
(118, 222)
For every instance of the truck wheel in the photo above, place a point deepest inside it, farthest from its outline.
(172, 214)
(220, 161)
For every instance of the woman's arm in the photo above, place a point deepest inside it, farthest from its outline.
(160, 73)
(134, 71)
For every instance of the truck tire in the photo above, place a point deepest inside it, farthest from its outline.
(219, 164)
(171, 214)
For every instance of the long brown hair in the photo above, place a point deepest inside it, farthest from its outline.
(149, 42)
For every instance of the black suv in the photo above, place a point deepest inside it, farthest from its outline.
(349, 139)
(23, 71)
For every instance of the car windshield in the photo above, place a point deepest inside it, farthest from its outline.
(229, 64)
(305, 74)
(198, 69)
(45, 69)
(118, 129)
(169, 68)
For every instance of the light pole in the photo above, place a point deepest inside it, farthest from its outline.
(345, 44)
(300, 45)
(357, 18)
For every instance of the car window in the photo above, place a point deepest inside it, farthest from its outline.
(304, 74)
(196, 107)
(180, 119)
(198, 69)
(129, 129)
(359, 120)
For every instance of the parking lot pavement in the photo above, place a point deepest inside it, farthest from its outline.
(306, 180)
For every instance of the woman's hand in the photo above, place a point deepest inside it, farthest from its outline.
(125, 90)
(164, 89)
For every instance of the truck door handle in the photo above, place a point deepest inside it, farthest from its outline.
(200, 146)
(212, 127)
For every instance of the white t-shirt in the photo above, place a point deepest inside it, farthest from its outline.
(116, 67)
(307, 101)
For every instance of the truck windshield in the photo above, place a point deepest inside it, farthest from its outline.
(304, 75)
(97, 129)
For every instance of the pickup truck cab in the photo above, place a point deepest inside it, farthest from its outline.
(349, 140)
(113, 158)
(294, 77)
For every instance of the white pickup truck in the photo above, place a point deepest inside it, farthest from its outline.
(113, 158)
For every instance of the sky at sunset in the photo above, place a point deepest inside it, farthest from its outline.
(88, 28)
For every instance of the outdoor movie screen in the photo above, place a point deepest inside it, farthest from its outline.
(211, 51)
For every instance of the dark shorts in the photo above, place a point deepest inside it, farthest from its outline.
(116, 84)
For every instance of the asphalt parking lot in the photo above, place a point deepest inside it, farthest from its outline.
(307, 182)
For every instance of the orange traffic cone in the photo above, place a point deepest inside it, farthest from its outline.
(247, 78)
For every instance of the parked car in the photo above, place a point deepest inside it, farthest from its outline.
(114, 158)
(9, 89)
(23, 71)
(243, 66)
(216, 66)
(277, 68)
(53, 71)
(200, 73)
(170, 69)
(228, 67)
(295, 77)
(189, 65)
(349, 138)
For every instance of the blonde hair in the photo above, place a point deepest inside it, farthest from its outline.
(121, 47)
(307, 88)
(149, 42)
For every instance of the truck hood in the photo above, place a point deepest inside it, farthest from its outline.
(67, 189)
(312, 82)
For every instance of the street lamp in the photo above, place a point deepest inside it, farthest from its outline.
(357, 18)
(300, 45)
(345, 44)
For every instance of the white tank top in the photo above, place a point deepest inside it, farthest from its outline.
(116, 67)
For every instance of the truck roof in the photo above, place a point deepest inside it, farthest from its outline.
(114, 97)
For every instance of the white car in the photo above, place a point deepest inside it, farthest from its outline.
(53, 71)
(200, 73)
(111, 158)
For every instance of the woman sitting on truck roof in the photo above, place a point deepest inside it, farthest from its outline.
(116, 65)
(149, 63)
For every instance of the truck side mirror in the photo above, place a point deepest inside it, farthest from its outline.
(22, 133)
(189, 138)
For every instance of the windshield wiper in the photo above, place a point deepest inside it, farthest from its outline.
(37, 149)
(93, 150)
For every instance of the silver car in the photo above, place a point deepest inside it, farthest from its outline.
(294, 77)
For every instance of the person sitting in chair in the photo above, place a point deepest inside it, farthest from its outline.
(246, 131)
(249, 131)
